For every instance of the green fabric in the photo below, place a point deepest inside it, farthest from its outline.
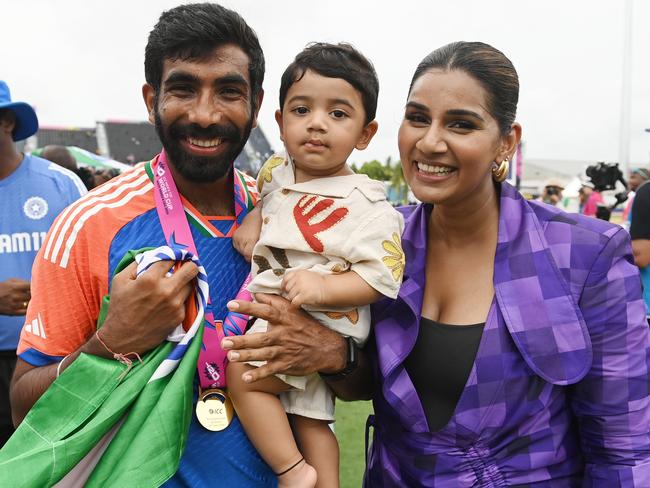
(92, 396)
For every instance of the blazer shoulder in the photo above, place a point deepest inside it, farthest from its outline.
(572, 228)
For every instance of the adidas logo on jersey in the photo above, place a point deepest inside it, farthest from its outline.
(35, 327)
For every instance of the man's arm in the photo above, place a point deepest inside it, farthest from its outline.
(141, 314)
(296, 344)
(640, 226)
(29, 382)
(14, 296)
(641, 250)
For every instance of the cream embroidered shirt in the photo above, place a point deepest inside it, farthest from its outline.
(327, 225)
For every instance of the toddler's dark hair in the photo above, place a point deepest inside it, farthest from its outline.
(335, 61)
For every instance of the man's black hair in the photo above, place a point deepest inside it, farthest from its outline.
(192, 32)
(335, 61)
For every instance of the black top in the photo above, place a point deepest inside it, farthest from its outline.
(439, 366)
(640, 226)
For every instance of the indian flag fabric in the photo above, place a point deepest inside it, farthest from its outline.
(100, 424)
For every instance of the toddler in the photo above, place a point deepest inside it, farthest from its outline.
(329, 242)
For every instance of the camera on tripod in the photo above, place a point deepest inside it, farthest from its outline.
(603, 176)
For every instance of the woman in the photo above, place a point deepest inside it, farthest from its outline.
(516, 352)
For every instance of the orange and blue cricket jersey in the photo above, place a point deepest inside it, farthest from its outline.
(72, 274)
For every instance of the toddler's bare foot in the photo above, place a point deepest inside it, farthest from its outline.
(301, 475)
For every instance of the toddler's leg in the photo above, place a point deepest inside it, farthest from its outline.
(267, 426)
(318, 444)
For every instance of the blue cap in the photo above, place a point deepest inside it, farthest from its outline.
(26, 120)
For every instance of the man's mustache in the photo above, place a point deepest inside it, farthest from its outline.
(214, 131)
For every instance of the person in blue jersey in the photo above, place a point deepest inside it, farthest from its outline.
(204, 69)
(33, 192)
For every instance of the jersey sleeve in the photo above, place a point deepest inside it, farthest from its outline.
(249, 187)
(65, 299)
(69, 184)
(77, 189)
(375, 251)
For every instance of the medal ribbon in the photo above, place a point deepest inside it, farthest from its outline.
(212, 361)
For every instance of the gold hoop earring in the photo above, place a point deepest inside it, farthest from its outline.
(500, 171)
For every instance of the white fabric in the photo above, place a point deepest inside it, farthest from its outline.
(326, 225)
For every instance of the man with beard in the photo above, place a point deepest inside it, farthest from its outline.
(204, 69)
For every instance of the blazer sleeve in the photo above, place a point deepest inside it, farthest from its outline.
(611, 403)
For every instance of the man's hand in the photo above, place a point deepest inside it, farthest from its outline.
(14, 296)
(143, 311)
(304, 287)
(295, 343)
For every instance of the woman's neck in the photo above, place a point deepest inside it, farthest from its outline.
(475, 221)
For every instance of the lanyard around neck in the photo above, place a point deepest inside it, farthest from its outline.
(171, 213)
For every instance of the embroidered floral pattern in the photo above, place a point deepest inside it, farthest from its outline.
(265, 173)
(352, 315)
(395, 260)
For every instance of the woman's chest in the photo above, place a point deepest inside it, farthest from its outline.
(458, 286)
(502, 395)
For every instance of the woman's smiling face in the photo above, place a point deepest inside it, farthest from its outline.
(448, 139)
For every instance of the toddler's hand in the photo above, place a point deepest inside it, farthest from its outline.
(244, 243)
(304, 287)
(248, 233)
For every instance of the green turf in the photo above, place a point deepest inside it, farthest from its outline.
(350, 430)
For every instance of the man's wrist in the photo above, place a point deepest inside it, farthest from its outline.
(351, 362)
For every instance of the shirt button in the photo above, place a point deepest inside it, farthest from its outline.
(266, 220)
(285, 191)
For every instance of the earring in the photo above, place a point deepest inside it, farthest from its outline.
(500, 171)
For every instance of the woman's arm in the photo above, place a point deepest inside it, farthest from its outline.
(297, 344)
(612, 402)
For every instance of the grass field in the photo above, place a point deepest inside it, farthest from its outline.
(350, 430)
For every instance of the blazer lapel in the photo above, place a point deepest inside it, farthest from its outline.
(543, 319)
(397, 330)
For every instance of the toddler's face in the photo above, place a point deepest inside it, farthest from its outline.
(322, 121)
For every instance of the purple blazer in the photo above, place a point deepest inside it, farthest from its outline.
(558, 393)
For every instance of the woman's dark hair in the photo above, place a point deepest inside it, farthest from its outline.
(489, 66)
(335, 61)
(192, 32)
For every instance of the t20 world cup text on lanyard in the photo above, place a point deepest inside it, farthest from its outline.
(212, 361)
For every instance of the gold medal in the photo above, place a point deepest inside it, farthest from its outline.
(214, 409)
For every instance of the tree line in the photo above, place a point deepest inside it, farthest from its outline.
(389, 172)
